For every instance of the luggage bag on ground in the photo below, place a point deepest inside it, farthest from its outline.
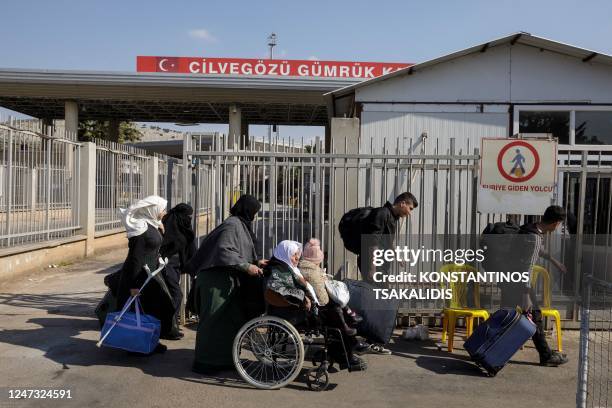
(379, 315)
(495, 341)
(131, 331)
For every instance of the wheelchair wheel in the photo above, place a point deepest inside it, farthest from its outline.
(268, 352)
(317, 378)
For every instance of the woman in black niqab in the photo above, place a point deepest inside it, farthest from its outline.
(246, 208)
(178, 246)
(178, 236)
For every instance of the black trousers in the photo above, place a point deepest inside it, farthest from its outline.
(172, 277)
(511, 297)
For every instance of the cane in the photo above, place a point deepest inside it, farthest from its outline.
(126, 307)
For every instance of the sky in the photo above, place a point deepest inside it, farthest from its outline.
(108, 35)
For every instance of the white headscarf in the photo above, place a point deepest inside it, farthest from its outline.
(283, 252)
(139, 215)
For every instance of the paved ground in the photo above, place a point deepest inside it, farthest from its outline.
(48, 334)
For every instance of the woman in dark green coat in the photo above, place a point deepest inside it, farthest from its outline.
(226, 256)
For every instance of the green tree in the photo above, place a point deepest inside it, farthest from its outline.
(99, 129)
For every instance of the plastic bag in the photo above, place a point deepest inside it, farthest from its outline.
(338, 292)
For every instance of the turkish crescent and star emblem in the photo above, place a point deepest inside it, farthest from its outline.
(518, 161)
(167, 64)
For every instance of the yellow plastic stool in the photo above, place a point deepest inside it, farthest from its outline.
(546, 309)
(457, 306)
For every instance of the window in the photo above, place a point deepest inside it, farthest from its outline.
(554, 122)
(593, 127)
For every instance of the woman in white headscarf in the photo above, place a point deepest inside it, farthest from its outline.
(287, 293)
(291, 297)
(144, 228)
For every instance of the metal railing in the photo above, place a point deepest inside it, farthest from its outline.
(40, 184)
(39, 181)
(170, 180)
(595, 361)
(122, 177)
(305, 189)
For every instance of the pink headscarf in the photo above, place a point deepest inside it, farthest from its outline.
(312, 251)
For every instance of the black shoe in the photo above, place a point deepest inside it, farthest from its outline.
(353, 320)
(173, 334)
(555, 359)
(355, 364)
(160, 348)
(361, 348)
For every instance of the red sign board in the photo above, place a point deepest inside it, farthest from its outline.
(283, 68)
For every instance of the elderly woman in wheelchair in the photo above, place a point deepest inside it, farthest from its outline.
(269, 351)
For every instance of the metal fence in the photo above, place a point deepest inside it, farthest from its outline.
(39, 181)
(170, 180)
(122, 177)
(595, 363)
(305, 189)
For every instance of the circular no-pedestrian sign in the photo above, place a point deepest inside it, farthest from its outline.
(519, 164)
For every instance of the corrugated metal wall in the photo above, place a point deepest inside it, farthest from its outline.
(400, 133)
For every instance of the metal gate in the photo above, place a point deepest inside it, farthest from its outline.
(305, 188)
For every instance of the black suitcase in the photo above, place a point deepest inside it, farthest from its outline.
(379, 316)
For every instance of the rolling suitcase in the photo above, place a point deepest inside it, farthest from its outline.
(494, 342)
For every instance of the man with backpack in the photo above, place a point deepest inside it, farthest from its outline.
(377, 226)
(363, 230)
(520, 251)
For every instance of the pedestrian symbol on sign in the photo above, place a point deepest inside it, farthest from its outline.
(518, 170)
(523, 156)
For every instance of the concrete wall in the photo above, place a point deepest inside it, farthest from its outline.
(502, 74)
(345, 136)
(29, 258)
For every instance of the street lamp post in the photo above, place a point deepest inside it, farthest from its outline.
(271, 44)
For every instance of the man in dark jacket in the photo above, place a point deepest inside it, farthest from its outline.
(528, 247)
(378, 231)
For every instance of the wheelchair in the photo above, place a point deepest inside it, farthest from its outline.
(269, 352)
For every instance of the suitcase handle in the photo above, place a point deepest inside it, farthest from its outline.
(504, 322)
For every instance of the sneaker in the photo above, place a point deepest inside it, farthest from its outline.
(379, 349)
(555, 359)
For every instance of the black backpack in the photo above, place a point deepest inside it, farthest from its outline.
(350, 228)
(498, 250)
